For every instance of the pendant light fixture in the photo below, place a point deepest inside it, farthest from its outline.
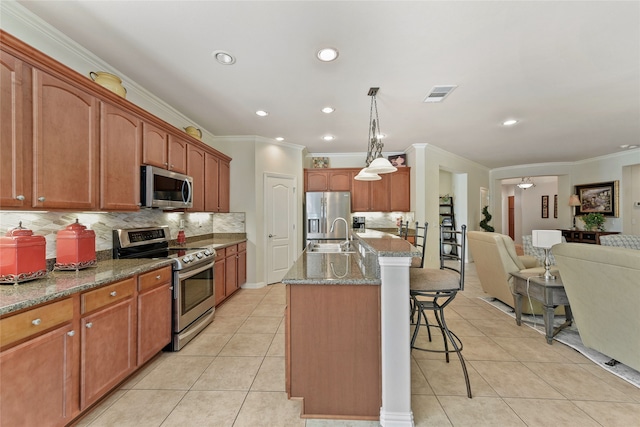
(375, 163)
(526, 183)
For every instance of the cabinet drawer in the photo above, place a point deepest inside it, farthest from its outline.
(154, 278)
(220, 253)
(242, 246)
(34, 321)
(106, 295)
(231, 249)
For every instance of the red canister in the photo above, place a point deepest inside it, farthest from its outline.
(75, 248)
(23, 256)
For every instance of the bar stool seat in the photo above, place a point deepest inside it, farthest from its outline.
(433, 289)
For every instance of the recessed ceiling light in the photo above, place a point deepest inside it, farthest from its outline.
(262, 113)
(628, 147)
(328, 110)
(509, 122)
(225, 58)
(327, 54)
(328, 137)
(279, 138)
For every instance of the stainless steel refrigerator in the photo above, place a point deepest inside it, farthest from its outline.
(321, 208)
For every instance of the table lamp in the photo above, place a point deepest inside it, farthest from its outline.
(574, 201)
(545, 239)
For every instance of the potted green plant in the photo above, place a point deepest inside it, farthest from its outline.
(484, 224)
(593, 221)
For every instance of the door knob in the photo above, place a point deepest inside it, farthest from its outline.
(272, 235)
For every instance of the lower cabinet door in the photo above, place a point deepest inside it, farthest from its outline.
(108, 349)
(36, 379)
(154, 321)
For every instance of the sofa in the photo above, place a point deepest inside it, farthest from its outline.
(603, 287)
(628, 241)
(495, 257)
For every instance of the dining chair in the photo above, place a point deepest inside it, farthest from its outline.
(433, 289)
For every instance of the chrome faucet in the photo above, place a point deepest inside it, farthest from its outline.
(346, 230)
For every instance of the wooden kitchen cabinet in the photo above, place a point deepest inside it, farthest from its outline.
(327, 179)
(230, 270)
(219, 276)
(217, 178)
(155, 295)
(400, 190)
(120, 148)
(177, 154)
(242, 264)
(196, 170)
(65, 145)
(108, 339)
(370, 196)
(155, 146)
(37, 375)
(15, 178)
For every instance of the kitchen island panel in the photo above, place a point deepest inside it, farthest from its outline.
(333, 350)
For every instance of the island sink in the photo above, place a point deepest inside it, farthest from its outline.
(343, 247)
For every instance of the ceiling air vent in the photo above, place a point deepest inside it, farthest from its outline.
(439, 93)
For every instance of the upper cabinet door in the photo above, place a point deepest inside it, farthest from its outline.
(65, 138)
(177, 154)
(196, 170)
(340, 180)
(316, 180)
(224, 186)
(154, 146)
(14, 180)
(120, 147)
(400, 190)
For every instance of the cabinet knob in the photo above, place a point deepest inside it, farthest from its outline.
(166, 164)
(113, 294)
(20, 197)
(36, 322)
(41, 199)
(158, 277)
(88, 325)
(71, 333)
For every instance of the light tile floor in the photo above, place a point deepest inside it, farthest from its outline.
(232, 375)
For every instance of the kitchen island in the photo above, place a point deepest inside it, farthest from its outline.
(347, 331)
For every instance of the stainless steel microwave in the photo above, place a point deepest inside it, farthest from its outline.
(160, 188)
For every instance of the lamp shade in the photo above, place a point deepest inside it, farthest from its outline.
(545, 238)
(380, 165)
(363, 175)
(574, 200)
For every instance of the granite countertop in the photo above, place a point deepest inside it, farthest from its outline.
(57, 284)
(359, 267)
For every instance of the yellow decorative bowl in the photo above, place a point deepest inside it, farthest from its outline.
(109, 81)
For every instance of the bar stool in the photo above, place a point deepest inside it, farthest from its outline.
(440, 286)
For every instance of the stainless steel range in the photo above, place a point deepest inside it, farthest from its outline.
(193, 276)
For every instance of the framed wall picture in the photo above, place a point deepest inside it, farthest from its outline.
(601, 198)
(398, 160)
(555, 206)
(545, 206)
(320, 162)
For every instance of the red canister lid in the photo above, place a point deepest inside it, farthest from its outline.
(21, 236)
(19, 231)
(75, 231)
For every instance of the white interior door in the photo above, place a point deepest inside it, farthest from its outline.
(280, 208)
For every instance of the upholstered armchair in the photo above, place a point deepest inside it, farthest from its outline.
(601, 283)
(495, 257)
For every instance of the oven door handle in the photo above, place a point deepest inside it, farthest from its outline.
(190, 273)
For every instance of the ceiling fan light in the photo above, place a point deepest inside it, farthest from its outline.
(363, 175)
(381, 165)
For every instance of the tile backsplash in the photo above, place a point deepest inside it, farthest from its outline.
(49, 223)
(385, 219)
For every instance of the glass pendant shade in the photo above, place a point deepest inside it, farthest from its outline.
(363, 175)
(381, 165)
